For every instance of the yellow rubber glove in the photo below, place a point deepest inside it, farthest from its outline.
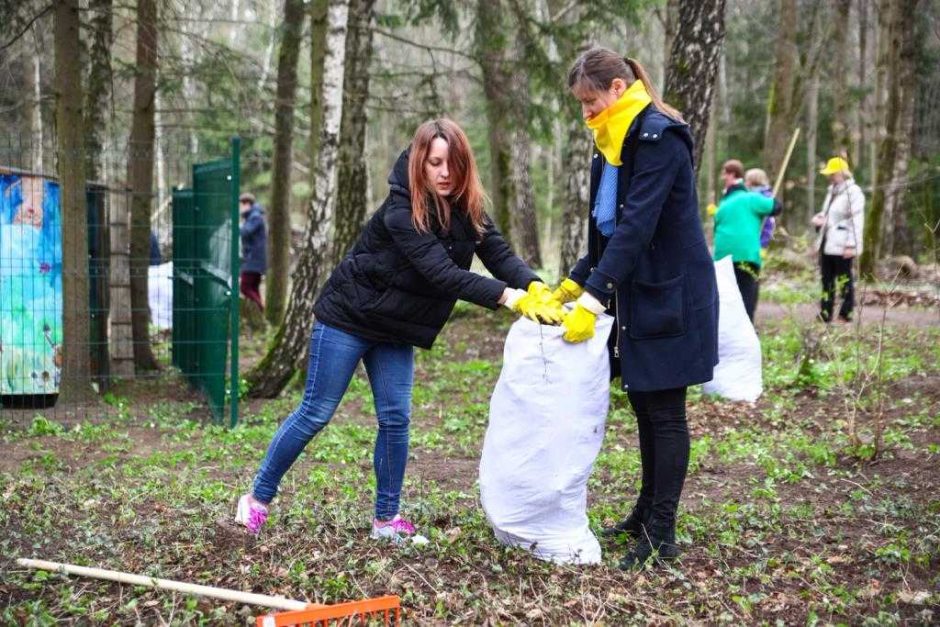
(579, 324)
(539, 306)
(711, 209)
(568, 291)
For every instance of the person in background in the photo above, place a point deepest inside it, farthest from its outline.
(839, 238)
(648, 265)
(254, 238)
(756, 180)
(394, 291)
(738, 230)
(155, 258)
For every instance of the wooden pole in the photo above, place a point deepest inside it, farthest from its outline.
(786, 162)
(168, 584)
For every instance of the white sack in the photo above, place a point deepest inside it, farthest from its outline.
(738, 373)
(547, 417)
(160, 295)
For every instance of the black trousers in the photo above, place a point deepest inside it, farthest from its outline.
(664, 451)
(836, 273)
(747, 275)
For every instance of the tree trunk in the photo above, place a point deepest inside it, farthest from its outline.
(574, 223)
(33, 90)
(318, 33)
(862, 112)
(490, 44)
(841, 138)
(140, 179)
(812, 121)
(279, 212)
(780, 104)
(897, 63)
(352, 172)
(99, 88)
(524, 223)
(901, 242)
(274, 371)
(693, 64)
(670, 25)
(76, 372)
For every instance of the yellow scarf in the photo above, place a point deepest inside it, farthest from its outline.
(610, 126)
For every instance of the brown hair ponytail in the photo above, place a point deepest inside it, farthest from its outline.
(596, 69)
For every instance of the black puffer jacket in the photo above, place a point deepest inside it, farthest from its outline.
(399, 285)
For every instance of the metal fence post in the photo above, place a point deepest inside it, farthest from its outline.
(236, 237)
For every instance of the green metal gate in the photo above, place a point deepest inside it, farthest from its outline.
(205, 282)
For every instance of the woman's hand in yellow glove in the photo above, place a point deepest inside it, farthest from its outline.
(568, 291)
(536, 304)
(579, 323)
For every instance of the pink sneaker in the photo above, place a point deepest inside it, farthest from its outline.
(251, 514)
(397, 530)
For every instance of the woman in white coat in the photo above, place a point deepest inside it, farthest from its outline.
(839, 226)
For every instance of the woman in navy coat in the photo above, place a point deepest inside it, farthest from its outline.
(649, 266)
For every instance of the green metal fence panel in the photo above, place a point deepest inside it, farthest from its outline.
(205, 294)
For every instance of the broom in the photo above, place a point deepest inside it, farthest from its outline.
(298, 612)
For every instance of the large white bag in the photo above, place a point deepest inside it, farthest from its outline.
(546, 426)
(738, 373)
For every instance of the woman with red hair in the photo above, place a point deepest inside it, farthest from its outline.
(393, 291)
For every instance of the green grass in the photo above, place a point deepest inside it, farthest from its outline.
(781, 520)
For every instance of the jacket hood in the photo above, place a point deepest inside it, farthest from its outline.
(398, 177)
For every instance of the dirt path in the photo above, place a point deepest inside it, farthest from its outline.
(895, 316)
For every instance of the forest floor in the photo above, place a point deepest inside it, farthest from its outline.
(784, 518)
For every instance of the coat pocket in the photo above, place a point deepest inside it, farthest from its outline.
(657, 310)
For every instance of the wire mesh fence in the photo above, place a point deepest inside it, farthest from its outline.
(161, 301)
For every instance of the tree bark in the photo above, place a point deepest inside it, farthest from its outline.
(318, 33)
(99, 87)
(490, 44)
(577, 196)
(693, 64)
(352, 172)
(862, 112)
(140, 179)
(812, 122)
(896, 63)
(841, 138)
(274, 371)
(276, 281)
(524, 222)
(781, 105)
(76, 371)
(33, 84)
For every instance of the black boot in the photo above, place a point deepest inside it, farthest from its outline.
(658, 544)
(633, 526)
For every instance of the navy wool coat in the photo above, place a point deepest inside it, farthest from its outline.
(655, 272)
(254, 241)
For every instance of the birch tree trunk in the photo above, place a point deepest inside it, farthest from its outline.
(574, 223)
(140, 179)
(279, 242)
(274, 371)
(34, 91)
(693, 64)
(76, 372)
(812, 122)
(352, 173)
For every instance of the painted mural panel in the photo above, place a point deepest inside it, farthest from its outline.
(30, 285)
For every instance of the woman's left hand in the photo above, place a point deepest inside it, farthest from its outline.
(848, 252)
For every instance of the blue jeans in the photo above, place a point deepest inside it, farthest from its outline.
(334, 355)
